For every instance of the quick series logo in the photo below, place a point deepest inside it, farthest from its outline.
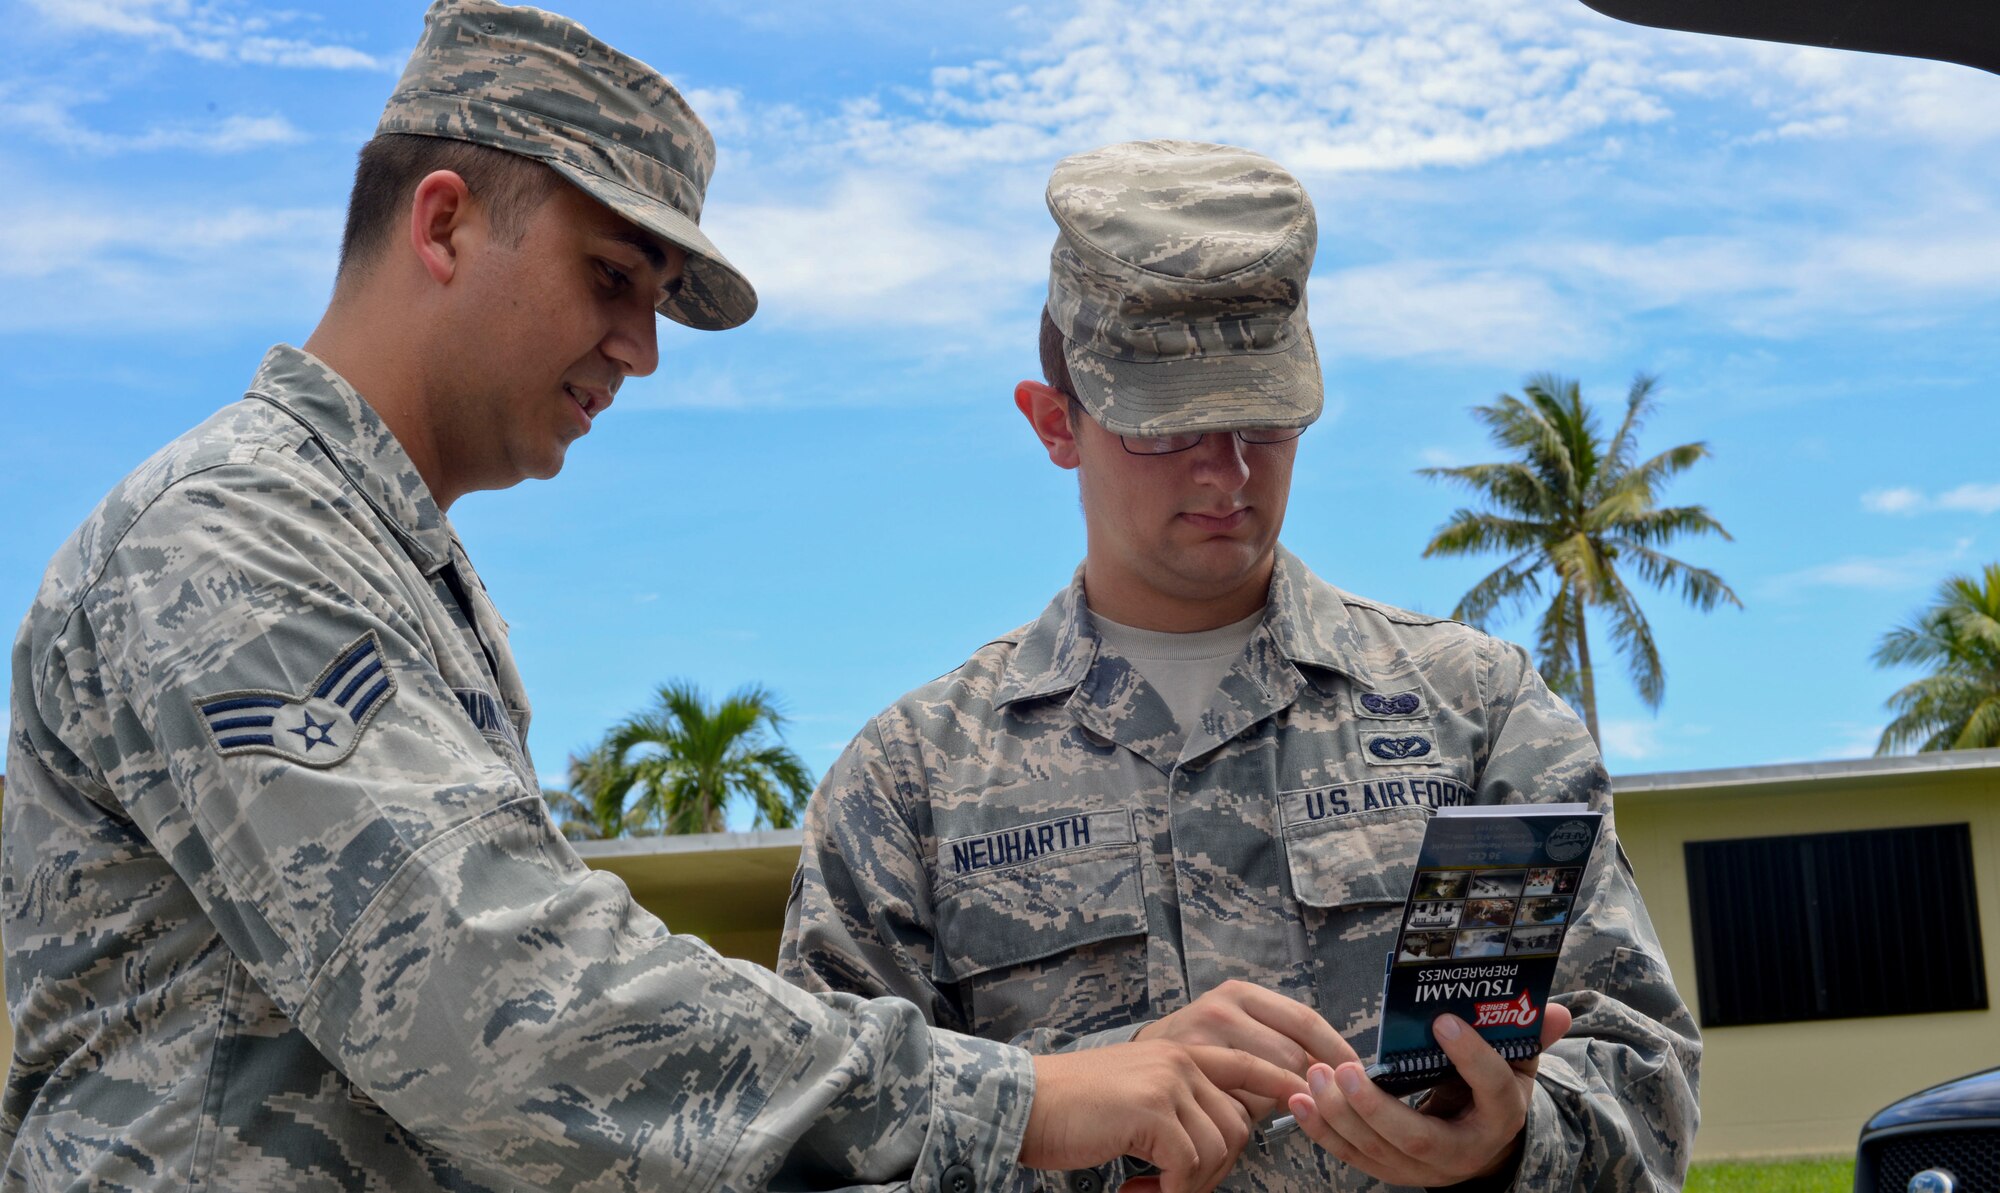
(1515, 1012)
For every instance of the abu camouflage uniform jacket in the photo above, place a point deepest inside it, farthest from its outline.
(284, 909)
(1021, 849)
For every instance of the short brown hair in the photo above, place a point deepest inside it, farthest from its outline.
(510, 186)
(1055, 366)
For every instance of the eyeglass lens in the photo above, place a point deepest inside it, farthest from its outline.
(1166, 445)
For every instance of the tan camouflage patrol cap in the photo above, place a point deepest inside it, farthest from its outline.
(540, 85)
(1178, 282)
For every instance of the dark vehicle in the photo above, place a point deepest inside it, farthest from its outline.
(1945, 1139)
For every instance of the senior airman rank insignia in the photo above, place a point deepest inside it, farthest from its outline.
(319, 727)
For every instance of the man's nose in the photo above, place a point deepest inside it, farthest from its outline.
(634, 343)
(1219, 460)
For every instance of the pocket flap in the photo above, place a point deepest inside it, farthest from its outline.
(1357, 859)
(1028, 912)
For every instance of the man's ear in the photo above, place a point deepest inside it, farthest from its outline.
(1047, 410)
(440, 211)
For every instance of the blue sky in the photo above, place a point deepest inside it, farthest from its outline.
(839, 502)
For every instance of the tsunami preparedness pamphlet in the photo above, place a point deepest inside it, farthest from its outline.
(1481, 932)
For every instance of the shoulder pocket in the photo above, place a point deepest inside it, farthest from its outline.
(1358, 859)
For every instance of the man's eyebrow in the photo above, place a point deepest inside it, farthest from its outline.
(655, 256)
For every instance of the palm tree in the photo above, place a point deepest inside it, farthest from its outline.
(1956, 706)
(675, 767)
(574, 816)
(1570, 510)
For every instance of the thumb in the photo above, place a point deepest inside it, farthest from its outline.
(1556, 1021)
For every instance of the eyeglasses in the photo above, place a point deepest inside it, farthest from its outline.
(1167, 445)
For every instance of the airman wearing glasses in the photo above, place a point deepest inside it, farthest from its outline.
(1185, 801)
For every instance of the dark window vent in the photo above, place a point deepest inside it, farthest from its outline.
(1836, 925)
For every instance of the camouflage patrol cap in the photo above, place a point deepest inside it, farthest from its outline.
(539, 85)
(1178, 282)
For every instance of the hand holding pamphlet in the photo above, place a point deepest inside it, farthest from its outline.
(1480, 935)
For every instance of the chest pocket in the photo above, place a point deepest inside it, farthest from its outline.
(1350, 875)
(1054, 943)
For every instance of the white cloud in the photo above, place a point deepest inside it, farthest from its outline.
(1854, 740)
(871, 252)
(1324, 87)
(212, 32)
(1979, 499)
(1446, 457)
(1336, 86)
(928, 198)
(50, 117)
(1432, 308)
(1967, 498)
(84, 264)
(1776, 279)
(1912, 569)
(1892, 501)
(1814, 92)
(1633, 741)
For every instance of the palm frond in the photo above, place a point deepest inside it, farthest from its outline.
(1555, 646)
(1512, 585)
(1658, 527)
(1633, 638)
(1510, 486)
(1699, 587)
(1526, 427)
(1956, 706)
(1469, 532)
(676, 765)
(1623, 446)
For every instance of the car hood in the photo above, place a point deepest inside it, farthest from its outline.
(1976, 1096)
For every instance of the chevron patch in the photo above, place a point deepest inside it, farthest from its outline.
(317, 727)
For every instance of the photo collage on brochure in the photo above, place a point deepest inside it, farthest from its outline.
(1463, 915)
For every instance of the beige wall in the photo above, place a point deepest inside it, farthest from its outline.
(1806, 1088)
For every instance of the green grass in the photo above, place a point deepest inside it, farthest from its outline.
(1832, 1175)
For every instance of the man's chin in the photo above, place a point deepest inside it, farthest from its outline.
(546, 467)
(1220, 567)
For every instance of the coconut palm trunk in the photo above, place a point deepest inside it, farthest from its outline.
(1585, 681)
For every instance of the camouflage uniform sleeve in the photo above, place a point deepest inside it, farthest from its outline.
(1615, 1106)
(860, 920)
(410, 907)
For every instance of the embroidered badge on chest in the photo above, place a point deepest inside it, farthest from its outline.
(1384, 748)
(317, 727)
(1388, 705)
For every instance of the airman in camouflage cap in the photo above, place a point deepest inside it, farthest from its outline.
(1178, 281)
(540, 85)
(282, 903)
(1185, 802)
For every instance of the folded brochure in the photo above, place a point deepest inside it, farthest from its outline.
(1480, 935)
